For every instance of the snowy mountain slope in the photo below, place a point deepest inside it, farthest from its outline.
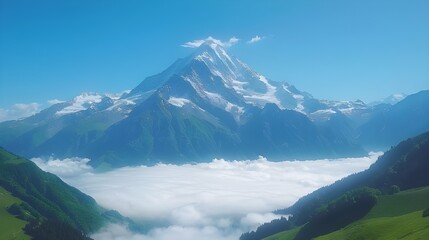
(232, 84)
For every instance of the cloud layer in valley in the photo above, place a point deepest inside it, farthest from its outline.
(216, 200)
(68, 167)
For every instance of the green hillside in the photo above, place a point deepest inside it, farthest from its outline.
(285, 235)
(43, 203)
(354, 199)
(397, 216)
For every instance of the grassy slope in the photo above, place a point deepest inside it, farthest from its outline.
(394, 216)
(10, 226)
(410, 226)
(286, 235)
(400, 203)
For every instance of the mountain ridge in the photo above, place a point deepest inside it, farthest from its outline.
(205, 103)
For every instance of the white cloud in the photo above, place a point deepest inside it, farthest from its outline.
(198, 42)
(216, 200)
(253, 220)
(231, 42)
(55, 101)
(68, 167)
(120, 232)
(255, 39)
(193, 44)
(18, 111)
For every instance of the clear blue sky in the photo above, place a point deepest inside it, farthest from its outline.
(333, 49)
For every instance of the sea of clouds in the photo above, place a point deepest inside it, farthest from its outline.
(217, 200)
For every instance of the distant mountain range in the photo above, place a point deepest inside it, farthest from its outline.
(207, 105)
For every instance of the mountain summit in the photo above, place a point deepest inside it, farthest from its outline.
(223, 80)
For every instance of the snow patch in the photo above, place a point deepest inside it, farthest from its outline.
(203, 56)
(325, 111)
(300, 108)
(220, 102)
(236, 110)
(347, 111)
(178, 102)
(238, 85)
(120, 103)
(260, 99)
(215, 98)
(298, 97)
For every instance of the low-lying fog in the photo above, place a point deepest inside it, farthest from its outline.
(216, 200)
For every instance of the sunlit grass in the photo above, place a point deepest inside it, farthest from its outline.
(10, 226)
(397, 216)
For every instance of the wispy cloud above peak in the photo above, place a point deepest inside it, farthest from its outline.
(193, 44)
(255, 39)
(55, 101)
(198, 42)
(232, 41)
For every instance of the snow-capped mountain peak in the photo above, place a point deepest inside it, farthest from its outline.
(230, 84)
(216, 58)
(228, 78)
(253, 87)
